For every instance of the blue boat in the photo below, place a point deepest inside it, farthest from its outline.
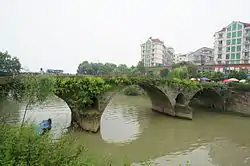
(40, 128)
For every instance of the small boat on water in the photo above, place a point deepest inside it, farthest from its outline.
(43, 127)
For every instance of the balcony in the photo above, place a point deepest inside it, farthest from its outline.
(246, 50)
(220, 36)
(247, 42)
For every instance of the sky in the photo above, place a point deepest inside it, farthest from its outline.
(60, 34)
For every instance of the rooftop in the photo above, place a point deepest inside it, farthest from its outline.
(156, 40)
(245, 25)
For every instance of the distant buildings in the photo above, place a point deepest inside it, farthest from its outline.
(201, 56)
(155, 53)
(231, 47)
(232, 44)
(180, 58)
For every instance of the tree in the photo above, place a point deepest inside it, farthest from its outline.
(207, 75)
(96, 68)
(181, 64)
(192, 70)
(134, 71)
(108, 68)
(34, 89)
(141, 68)
(85, 68)
(180, 73)
(9, 64)
(217, 76)
(164, 73)
(238, 75)
(122, 69)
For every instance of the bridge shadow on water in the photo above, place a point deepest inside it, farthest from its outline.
(209, 99)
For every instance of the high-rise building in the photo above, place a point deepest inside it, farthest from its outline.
(202, 56)
(155, 53)
(232, 44)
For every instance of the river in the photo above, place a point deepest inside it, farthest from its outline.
(130, 129)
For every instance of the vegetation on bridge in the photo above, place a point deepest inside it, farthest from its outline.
(81, 93)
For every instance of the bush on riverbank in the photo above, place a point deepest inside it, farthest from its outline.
(132, 90)
(23, 147)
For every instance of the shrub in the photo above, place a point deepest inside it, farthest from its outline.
(132, 90)
(23, 147)
(239, 86)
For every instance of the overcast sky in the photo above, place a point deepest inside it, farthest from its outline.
(62, 33)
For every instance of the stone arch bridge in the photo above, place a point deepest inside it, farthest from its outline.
(87, 97)
(170, 97)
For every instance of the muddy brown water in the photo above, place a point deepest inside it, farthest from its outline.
(130, 129)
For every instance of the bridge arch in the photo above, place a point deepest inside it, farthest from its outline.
(208, 97)
(159, 100)
(180, 99)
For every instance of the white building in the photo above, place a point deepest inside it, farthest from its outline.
(202, 56)
(155, 53)
(180, 58)
(232, 44)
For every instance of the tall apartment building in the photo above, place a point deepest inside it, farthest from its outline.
(202, 56)
(232, 44)
(155, 53)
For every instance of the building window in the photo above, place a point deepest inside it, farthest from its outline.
(227, 56)
(238, 56)
(220, 42)
(233, 34)
(219, 62)
(229, 35)
(219, 56)
(239, 34)
(231, 62)
(237, 62)
(234, 26)
(228, 49)
(233, 49)
(239, 41)
(228, 42)
(239, 26)
(220, 49)
(229, 28)
(234, 41)
(232, 56)
(238, 48)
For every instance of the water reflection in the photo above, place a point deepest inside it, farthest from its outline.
(123, 121)
(56, 109)
(9, 111)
